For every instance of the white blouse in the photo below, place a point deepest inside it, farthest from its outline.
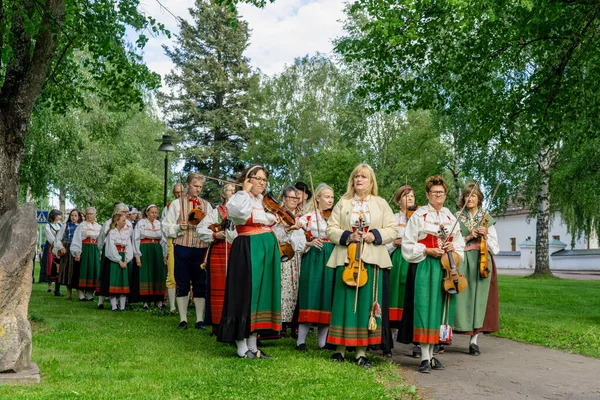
(206, 234)
(84, 230)
(401, 220)
(144, 229)
(427, 221)
(118, 238)
(309, 223)
(127, 228)
(50, 230)
(242, 206)
(295, 237)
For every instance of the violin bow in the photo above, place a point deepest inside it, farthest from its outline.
(492, 199)
(360, 249)
(222, 180)
(461, 211)
(314, 199)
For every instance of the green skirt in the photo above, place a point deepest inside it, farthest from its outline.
(119, 279)
(315, 294)
(349, 328)
(153, 275)
(472, 303)
(430, 300)
(89, 273)
(397, 285)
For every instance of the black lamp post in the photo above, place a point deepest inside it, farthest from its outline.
(166, 145)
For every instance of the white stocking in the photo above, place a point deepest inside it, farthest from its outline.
(199, 303)
(252, 343)
(122, 301)
(171, 293)
(302, 332)
(426, 351)
(182, 305)
(242, 347)
(113, 302)
(323, 330)
(474, 339)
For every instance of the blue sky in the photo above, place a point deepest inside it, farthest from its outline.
(281, 31)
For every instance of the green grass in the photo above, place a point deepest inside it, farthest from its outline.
(561, 314)
(87, 353)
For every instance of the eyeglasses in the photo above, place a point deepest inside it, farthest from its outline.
(263, 180)
(293, 198)
(438, 193)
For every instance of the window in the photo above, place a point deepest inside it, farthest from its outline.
(513, 244)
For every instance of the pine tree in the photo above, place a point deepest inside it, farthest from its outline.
(211, 89)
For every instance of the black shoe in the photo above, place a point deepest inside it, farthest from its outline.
(425, 366)
(436, 364)
(387, 354)
(416, 352)
(248, 354)
(200, 325)
(329, 346)
(337, 357)
(438, 349)
(100, 306)
(115, 309)
(84, 299)
(363, 362)
(58, 294)
(49, 290)
(302, 347)
(474, 350)
(145, 307)
(261, 354)
(121, 309)
(182, 325)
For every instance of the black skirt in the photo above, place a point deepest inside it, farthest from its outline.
(406, 326)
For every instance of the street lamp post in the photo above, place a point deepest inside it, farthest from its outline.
(166, 145)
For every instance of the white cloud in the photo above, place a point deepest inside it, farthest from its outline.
(281, 31)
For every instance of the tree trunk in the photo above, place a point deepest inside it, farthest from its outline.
(62, 201)
(11, 155)
(456, 170)
(542, 258)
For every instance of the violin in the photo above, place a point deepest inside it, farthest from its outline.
(454, 282)
(411, 210)
(484, 263)
(195, 216)
(285, 216)
(355, 272)
(218, 227)
(327, 213)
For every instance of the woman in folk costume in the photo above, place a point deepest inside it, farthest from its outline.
(315, 294)
(118, 250)
(104, 277)
(150, 253)
(394, 280)
(84, 249)
(291, 241)
(423, 246)
(190, 250)
(253, 288)
(49, 263)
(477, 307)
(217, 229)
(361, 216)
(69, 266)
(178, 190)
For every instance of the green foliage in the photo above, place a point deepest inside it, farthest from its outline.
(212, 90)
(518, 77)
(95, 157)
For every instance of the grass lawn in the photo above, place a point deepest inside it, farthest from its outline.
(561, 314)
(87, 353)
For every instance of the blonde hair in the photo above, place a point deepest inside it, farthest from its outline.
(310, 204)
(113, 223)
(194, 177)
(367, 171)
(119, 208)
(224, 188)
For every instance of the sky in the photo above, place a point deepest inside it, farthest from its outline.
(280, 32)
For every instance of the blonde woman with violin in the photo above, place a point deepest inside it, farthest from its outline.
(477, 307)
(364, 223)
(291, 243)
(181, 224)
(253, 287)
(423, 246)
(315, 293)
(217, 230)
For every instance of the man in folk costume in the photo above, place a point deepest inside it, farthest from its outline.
(178, 190)
(189, 250)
